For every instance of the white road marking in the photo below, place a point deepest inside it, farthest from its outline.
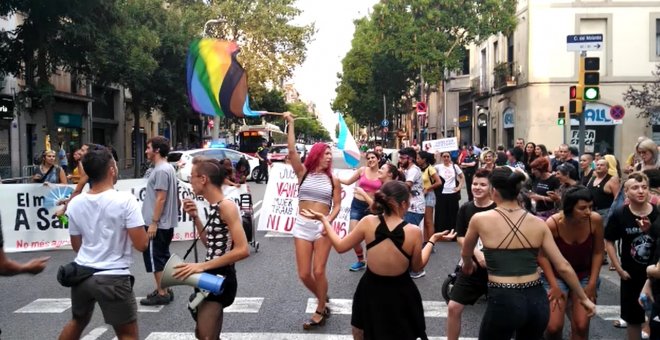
(265, 336)
(432, 309)
(46, 306)
(606, 312)
(277, 234)
(95, 333)
(147, 309)
(245, 305)
(254, 206)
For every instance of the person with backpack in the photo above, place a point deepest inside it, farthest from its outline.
(430, 181)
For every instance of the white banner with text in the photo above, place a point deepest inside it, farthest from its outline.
(28, 221)
(280, 205)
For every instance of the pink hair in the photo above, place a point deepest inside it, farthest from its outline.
(314, 158)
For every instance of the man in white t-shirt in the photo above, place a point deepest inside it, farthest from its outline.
(413, 175)
(104, 224)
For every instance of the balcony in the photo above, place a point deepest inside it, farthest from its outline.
(506, 76)
(479, 87)
(459, 83)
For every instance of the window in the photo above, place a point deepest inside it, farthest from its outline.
(465, 67)
(657, 37)
(496, 52)
(509, 48)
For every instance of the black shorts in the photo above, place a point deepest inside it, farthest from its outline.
(631, 311)
(469, 288)
(158, 250)
(230, 286)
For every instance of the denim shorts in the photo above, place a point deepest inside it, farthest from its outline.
(359, 209)
(563, 286)
(430, 199)
(413, 218)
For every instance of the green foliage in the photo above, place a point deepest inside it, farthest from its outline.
(306, 124)
(271, 46)
(402, 38)
(646, 98)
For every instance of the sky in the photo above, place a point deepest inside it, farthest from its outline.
(316, 78)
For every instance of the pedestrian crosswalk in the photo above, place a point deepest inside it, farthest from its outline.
(252, 305)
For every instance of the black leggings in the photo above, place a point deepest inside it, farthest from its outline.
(524, 312)
(446, 206)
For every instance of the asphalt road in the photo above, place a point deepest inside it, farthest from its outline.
(271, 303)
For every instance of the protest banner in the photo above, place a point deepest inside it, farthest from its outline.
(280, 204)
(29, 224)
(440, 145)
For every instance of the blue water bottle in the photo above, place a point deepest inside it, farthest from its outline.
(647, 304)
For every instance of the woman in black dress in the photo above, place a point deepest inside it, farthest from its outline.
(387, 304)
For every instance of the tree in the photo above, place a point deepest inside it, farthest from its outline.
(646, 98)
(403, 38)
(145, 53)
(271, 46)
(54, 35)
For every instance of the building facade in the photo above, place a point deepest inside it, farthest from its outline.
(517, 83)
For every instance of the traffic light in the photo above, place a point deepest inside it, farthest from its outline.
(591, 78)
(561, 116)
(575, 96)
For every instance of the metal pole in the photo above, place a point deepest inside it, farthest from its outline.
(444, 103)
(384, 138)
(418, 126)
(581, 131)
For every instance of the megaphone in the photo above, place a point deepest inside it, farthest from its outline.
(204, 281)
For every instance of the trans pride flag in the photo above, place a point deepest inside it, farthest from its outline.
(346, 143)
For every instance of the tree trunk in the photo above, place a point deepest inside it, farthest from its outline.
(45, 92)
(139, 153)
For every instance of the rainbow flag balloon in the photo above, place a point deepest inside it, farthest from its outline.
(217, 83)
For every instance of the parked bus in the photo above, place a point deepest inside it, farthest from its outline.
(250, 137)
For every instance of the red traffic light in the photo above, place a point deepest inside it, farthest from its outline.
(572, 92)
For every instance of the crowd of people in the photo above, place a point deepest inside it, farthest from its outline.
(533, 236)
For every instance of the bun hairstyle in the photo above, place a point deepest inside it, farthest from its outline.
(391, 195)
(394, 171)
(507, 182)
(211, 168)
(428, 157)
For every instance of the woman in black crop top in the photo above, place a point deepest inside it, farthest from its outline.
(517, 302)
(224, 238)
(393, 246)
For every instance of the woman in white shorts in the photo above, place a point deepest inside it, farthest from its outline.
(320, 191)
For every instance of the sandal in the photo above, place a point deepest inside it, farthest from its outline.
(311, 324)
(620, 323)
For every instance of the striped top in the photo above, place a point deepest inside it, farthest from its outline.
(317, 187)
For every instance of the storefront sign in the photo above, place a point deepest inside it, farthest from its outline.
(589, 139)
(482, 120)
(597, 114)
(6, 109)
(508, 118)
(68, 120)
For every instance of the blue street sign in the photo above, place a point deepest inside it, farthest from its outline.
(584, 42)
(385, 123)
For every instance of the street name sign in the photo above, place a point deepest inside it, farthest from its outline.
(584, 42)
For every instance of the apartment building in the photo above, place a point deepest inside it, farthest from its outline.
(513, 86)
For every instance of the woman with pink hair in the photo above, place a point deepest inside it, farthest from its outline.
(320, 191)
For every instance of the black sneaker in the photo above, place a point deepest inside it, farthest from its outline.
(154, 299)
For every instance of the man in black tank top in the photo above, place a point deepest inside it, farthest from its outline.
(603, 187)
(469, 288)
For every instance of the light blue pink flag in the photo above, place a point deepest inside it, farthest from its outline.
(346, 143)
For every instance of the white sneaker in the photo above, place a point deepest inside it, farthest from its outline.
(418, 274)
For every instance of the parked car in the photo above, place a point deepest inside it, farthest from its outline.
(182, 160)
(279, 152)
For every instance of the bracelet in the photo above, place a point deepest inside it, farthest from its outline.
(427, 242)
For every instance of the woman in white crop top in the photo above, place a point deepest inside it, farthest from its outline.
(323, 194)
